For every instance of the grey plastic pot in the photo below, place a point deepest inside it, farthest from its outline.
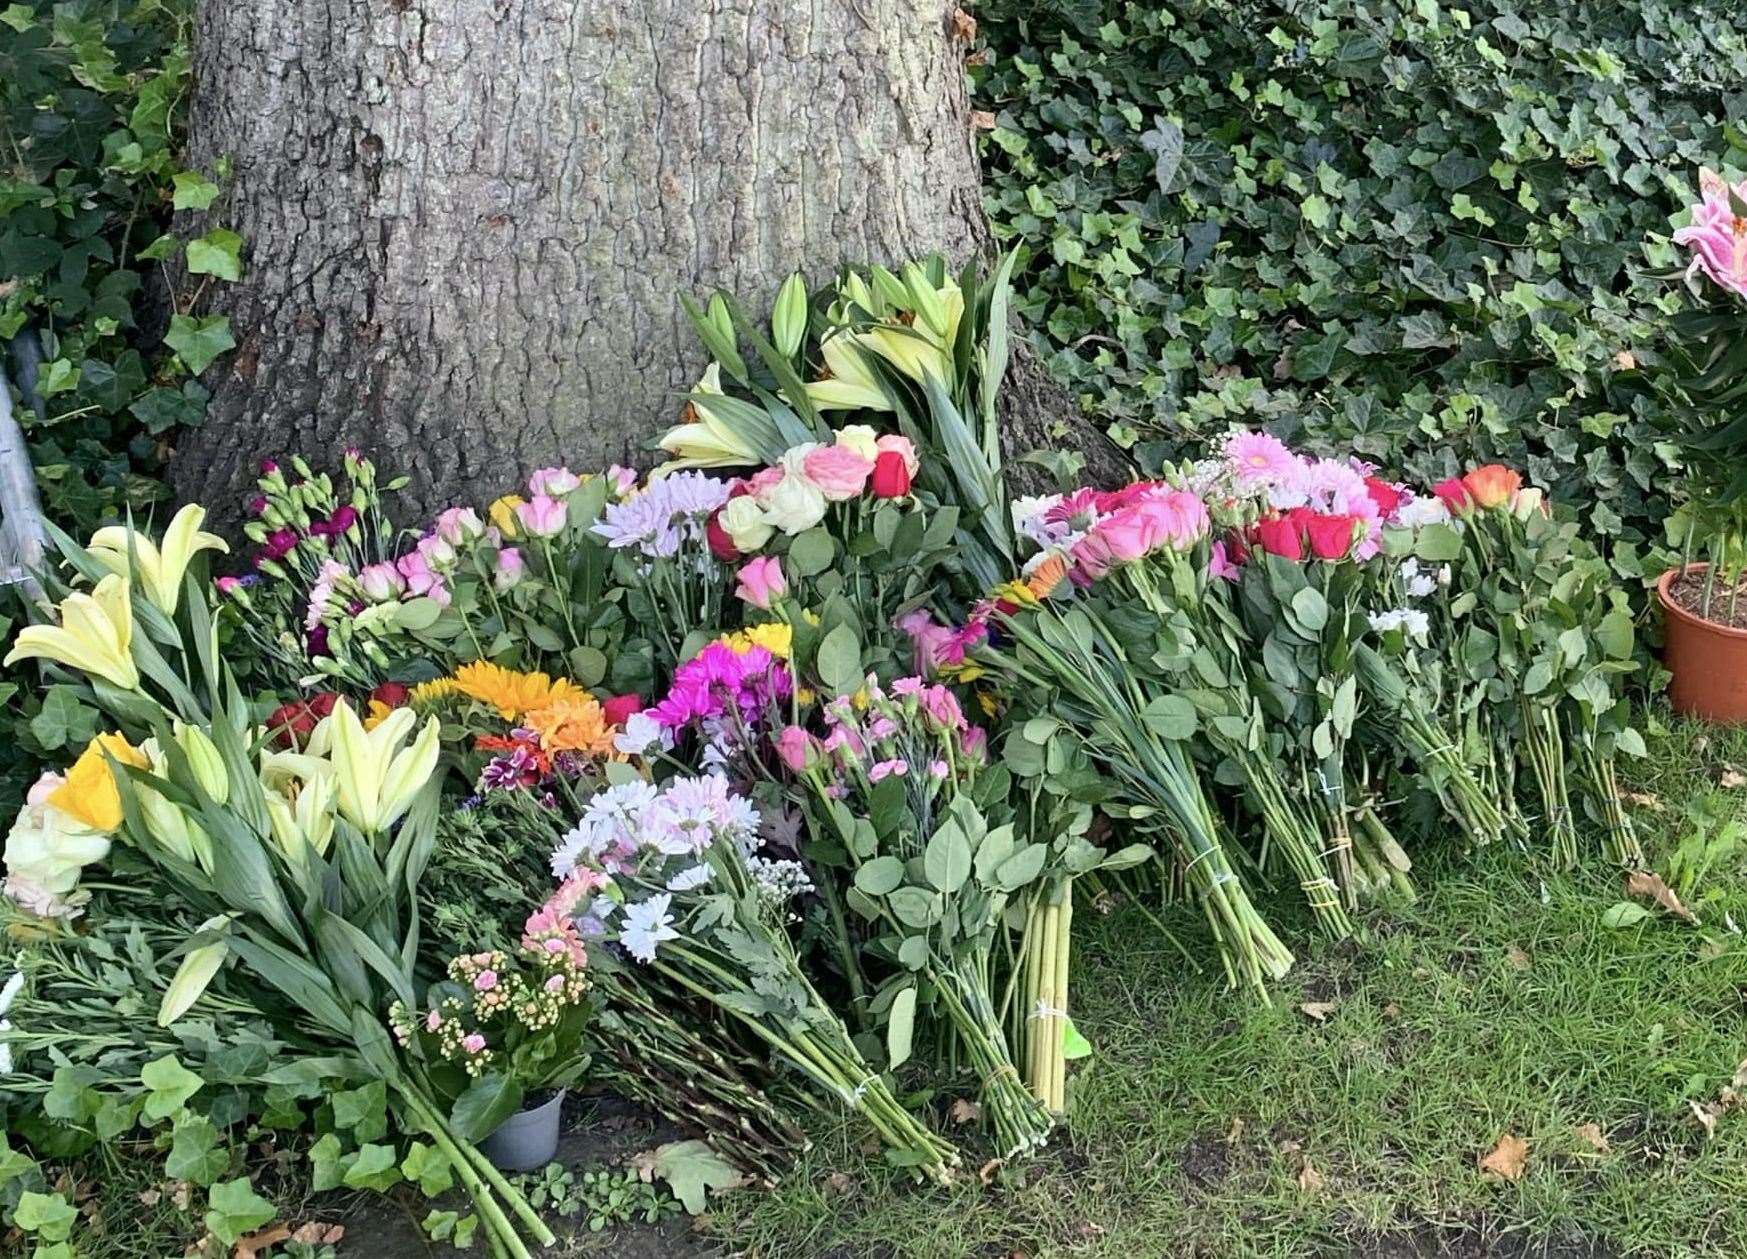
(527, 1139)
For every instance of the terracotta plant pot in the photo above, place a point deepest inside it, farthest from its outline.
(1708, 661)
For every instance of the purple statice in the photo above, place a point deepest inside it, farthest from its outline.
(669, 515)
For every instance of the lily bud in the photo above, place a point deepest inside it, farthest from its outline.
(204, 759)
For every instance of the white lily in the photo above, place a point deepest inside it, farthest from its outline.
(7, 994)
(95, 635)
(851, 384)
(707, 440)
(378, 778)
(122, 550)
(300, 792)
(195, 973)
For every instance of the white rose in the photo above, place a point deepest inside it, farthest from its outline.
(861, 439)
(46, 849)
(794, 504)
(745, 523)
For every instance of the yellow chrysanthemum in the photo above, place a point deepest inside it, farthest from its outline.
(774, 636)
(427, 693)
(90, 795)
(510, 692)
(572, 724)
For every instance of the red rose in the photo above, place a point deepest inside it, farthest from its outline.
(721, 545)
(1386, 496)
(619, 707)
(1237, 549)
(290, 725)
(1454, 494)
(1278, 535)
(891, 475)
(393, 694)
(1331, 537)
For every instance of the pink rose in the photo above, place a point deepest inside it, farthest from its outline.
(542, 516)
(1128, 535)
(552, 482)
(761, 582)
(900, 446)
(795, 748)
(508, 569)
(838, 471)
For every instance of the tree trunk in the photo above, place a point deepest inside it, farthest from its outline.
(468, 221)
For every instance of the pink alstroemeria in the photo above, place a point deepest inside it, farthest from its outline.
(1717, 235)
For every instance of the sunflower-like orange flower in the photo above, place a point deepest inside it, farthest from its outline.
(572, 724)
(510, 692)
(1047, 575)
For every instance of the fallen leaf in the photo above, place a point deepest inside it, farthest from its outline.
(150, 1197)
(981, 57)
(1309, 1179)
(1706, 1113)
(1643, 799)
(988, 1171)
(252, 1244)
(1318, 1010)
(1732, 778)
(1508, 1159)
(1650, 886)
(1517, 958)
(1591, 1133)
(840, 1183)
(1625, 360)
(982, 120)
(1234, 1131)
(316, 1233)
(963, 1112)
(1392, 1011)
(964, 26)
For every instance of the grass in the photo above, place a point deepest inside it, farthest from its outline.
(1498, 1004)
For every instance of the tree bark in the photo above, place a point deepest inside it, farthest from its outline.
(468, 221)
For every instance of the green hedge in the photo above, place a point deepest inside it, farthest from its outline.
(1410, 229)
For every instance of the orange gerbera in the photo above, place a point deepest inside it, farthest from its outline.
(510, 692)
(1047, 575)
(572, 724)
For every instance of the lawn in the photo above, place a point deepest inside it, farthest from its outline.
(1351, 1115)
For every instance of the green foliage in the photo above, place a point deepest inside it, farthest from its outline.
(1408, 229)
(92, 96)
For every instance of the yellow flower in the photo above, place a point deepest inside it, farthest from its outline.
(95, 635)
(510, 692)
(90, 795)
(774, 636)
(572, 724)
(989, 704)
(123, 550)
(1016, 592)
(427, 693)
(376, 714)
(503, 513)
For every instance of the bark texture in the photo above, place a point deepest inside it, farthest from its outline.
(468, 221)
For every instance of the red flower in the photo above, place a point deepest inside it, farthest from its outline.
(1279, 535)
(393, 694)
(891, 475)
(1386, 496)
(1331, 537)
(290, 725)
(619, 707)
(721, 545)
(1237, 548)
(1493, 484)
(1455, 495)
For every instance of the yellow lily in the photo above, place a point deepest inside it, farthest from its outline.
(377, 777)
(95, 635)
(195, 974)
(160, 568)
(708, 440)
(851, 384)
(90, 795)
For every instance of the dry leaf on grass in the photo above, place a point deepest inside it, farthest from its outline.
(250, 1245)
(1643, 799)
(963, 1112)
(1309, 1179)
(1234, 1131)
(1508, 1159)
(1732, 778)
(1650, 886)
(1625, 360)
(1517, 958)
(1318, 1011)
(840, 1183)
(1732, 1096)
(316, 1233)
(1592, 1136)
(964, 26)
(988, 1171)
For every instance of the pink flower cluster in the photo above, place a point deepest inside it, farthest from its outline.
(1717, 235)
(720, 682)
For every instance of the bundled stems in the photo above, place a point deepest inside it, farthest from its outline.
(1544, 749)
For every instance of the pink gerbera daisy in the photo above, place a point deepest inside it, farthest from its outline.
(1259, 459)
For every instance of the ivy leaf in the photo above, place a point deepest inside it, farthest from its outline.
(373, 1168)
(48, 1215)
(170, 1083)
(363, 1111)
(327, 1164)
(234, 1208)
(428, 1168)
(194, 1151)
(63, 721)
(194, 191)
(219, 253)
(199, 341)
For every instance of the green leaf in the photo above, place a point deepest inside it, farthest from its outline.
(1074, 1045)
(327, 1165)
(194, 1151)
(194, 191)
(1311, 610)
(1170, 717)
(691, 1169)
(1438, 544)
(170, 1083)
(429, 1168)
(48, 1215)
(374, 1168)
(219, 253)
(946, 862)
(811, 552)
(199, 341)
(362, 1111)
(1624, 914)
(234, 1208)
(839, 661)
(880, 876)
(901, 1028)
(488, 1101)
